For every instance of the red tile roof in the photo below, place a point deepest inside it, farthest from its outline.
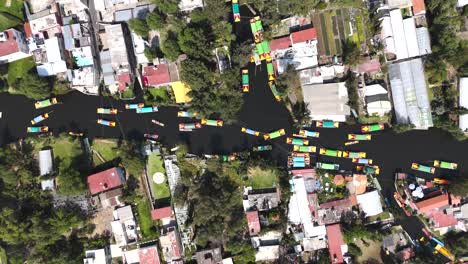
(306, 173)
(253, 222)
(303, 35)
(347, 202)
(280, 43)
(369, 66)
(9, 46)
(27, 30)
(161, 213)
(156, 75)
(418, 7)
(432, 203)
(149, 255)
(124, 80)
(105, 180)
(335, 241)
(441, 220)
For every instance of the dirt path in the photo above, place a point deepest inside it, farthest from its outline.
(371, 251)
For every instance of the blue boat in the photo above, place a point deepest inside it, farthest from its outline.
(134, 106)
(147, 109)
(307, 133)
(298, 159)
(40, 118)
(298, 164)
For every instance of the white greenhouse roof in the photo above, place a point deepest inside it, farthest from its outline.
(410, 35)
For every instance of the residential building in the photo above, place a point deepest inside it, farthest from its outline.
(419, 8)
(377, 101)
(45, 162)
(106, 180)
(124, 226)
(96, 256)
(189, 5)
(331, 212)
(432, 203)
(253, 222)
(139, 11)
(401, 38)
(107, 8)
(13, 46)
(370, 203)
(156, 75)
(327, 101)
(162, 213)
(463, 102)
(170, 246)
(139, 46)
(149, 255)
(320, 74)
(209, 256)
(116, 65)
(110, 199)
(289, 24)
(336, 244)
(409, 92)
(316, 239)
(262, 200)
(441, 221)
(358, 184)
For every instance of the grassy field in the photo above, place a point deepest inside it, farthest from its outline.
(19, 68)
(260, 178)
(8, 21)
(67, 150)
(144, 219)
(155, 164)
(15, 8)
(107, 148)
(334, 27)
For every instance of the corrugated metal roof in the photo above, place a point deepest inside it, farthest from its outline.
(410, 36)
(45, 162)
(424, 40)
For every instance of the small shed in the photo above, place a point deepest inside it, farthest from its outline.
(45, 162)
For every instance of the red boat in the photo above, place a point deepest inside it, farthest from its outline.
(151, 136)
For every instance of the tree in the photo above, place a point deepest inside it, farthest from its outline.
(353, 96)
(196, 75)
(155, 21)
(351, 53)
(170, 47)
(223, 34)
(354, 250)
(301, 113)
(194, 43)
(149, 54)
(167, 6)
(139, 26)
(71, 182)
(33, 86)
(402, 128)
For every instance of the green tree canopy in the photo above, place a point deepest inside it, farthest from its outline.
(223, 34)
(33, 86)
(167, 6)
(139, 26)
(71, 182)
(155, 21)
(351, 53)
(170, 47)
(194, 43)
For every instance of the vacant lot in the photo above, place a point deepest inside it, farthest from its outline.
(260, 178)
(336, 26)
(369, 251)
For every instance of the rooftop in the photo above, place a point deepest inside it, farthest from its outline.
(188, 5)
(440, 219)
(95, 256)
(181, 91)
(45, 162)
(161, 213)
(156, 75)
(170, 246)
(360, 183)
(149, 255)
(253, 222)
(303, 35)
(209, 256)
(463, 88)
(9, 44)
(280, 43)
(419, 8)
(327, 101)
(370, 203)
(43, 23)
(433, 203)
(105, 180)
(336, 243)
(369, 66)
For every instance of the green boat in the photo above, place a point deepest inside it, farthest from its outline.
(260, 51)
(372, 128)
(445, 165)
(274, 91)
(262, 148)
(327, 166)
(258, 25)
(330, 152)
(305, 148)
(270, 71)
(274, 134)
(266, 47)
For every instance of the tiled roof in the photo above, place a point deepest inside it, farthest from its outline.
(124, 80)
(335, 241)
(418, 7)
(149, 255)
(432, 203)
(303, 35)
(9, 46)
(105, 180)
(441, 220)
(280, 43)
(156, 75)
(253, 222)
(160, 213)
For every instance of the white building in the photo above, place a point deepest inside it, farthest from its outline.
(377, 101)
(463, 119)
(49, 57)
(327, 101)
(96, 256)
(189, 5)
(124, 226)
(370, 203)
(13, 46)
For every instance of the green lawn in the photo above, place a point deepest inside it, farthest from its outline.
(260, 178)
(15, 8)
(107, 148)
(155, 164)
(158, 96)
(128, 93)
(8, 21)
(382, 216)
(64, 148)
(19, 68)
(147, 227)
